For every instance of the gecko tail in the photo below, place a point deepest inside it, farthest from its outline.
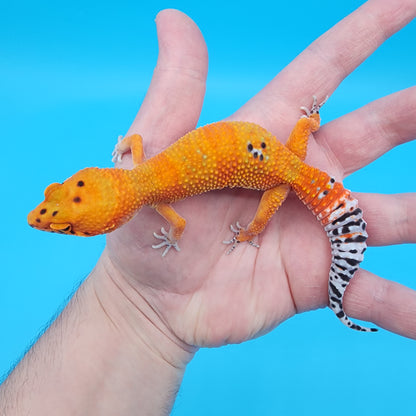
(346, 230)
(338, 212)
(335, 294)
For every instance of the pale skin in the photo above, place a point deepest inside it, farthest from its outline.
(123, 343)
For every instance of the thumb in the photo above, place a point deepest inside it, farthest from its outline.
(174, 100)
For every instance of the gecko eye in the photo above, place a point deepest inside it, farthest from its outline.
(52, 187)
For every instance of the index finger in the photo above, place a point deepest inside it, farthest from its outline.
(325, 63)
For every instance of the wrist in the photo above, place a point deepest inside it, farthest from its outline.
(106, 354)
(131, 312)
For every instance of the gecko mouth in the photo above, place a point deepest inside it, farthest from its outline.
(61, 228)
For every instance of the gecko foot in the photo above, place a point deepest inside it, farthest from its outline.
(315, 107)
(117, 153)
(167, 242)
(235, 241)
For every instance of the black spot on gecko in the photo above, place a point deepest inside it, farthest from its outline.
(354, 223)
(344, 277)
(80, 183)
(43, 211)
(77, 199)
(249, 147)
(345, 229)
(336, 292)
(357, 239)
(341, 267)
(352, 262)
(332, 180)
(261, 157)
(325, 192)
(263, 145)
(346, 215)
(255, 154)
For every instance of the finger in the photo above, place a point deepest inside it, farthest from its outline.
(358, 138)
(173, 102)
(391, 218)
(389, 305)
(326, 62)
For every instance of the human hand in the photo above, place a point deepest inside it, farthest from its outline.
(202, 297)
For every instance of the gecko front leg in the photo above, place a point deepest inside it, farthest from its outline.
(134, 143)
(166, 243)
(177, 226)
(170, 238)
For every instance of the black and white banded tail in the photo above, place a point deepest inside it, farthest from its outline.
(342, 219)
(347, 234)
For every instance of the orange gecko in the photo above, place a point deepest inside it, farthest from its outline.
(219, 155)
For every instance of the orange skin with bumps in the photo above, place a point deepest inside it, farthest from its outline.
(220, 155)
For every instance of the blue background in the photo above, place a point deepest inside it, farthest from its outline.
(73, 75)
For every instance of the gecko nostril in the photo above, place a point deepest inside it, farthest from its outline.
(37, 220)
(54, 213)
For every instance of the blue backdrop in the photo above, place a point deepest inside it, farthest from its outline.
(72, 77)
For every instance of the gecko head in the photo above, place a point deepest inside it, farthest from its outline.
(82, 205)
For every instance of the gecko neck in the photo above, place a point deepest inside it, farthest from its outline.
(124, 192)
(135, 186)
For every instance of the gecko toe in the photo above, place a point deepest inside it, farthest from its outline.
(167, 242)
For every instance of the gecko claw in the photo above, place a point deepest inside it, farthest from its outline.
(167, 242)
(117, 154)
(235, 241)
(315, 107)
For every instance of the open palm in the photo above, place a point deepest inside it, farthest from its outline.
(201, 295)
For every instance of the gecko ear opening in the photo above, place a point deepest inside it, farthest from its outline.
(61, 227)
(51, 188)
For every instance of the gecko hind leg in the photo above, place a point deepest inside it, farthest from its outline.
(235, 240)
(273, 198)
(270, 202)
(315, 107)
